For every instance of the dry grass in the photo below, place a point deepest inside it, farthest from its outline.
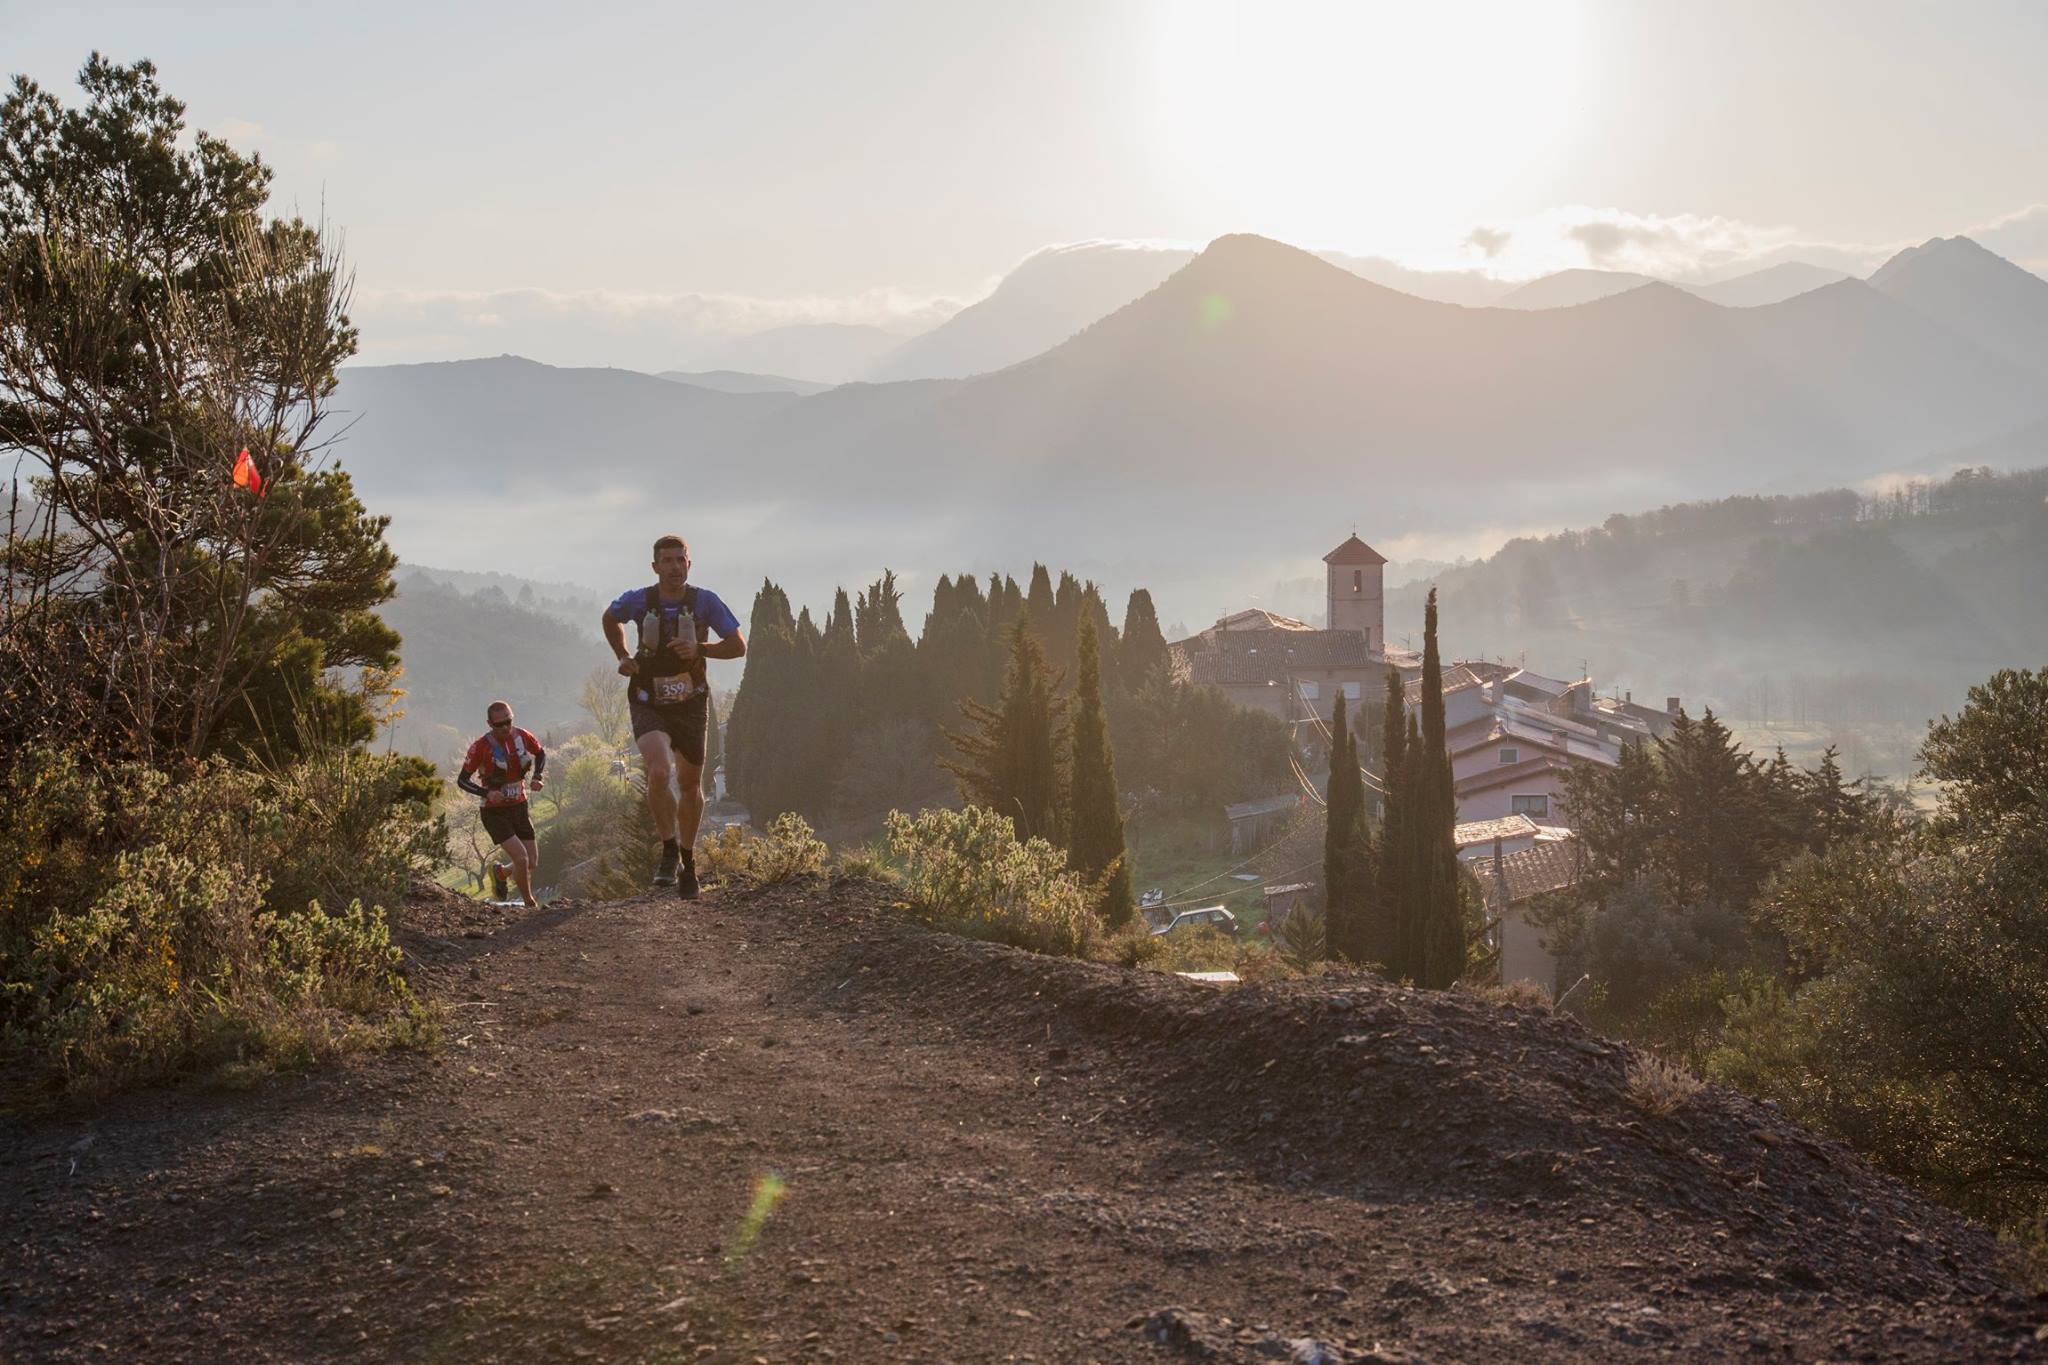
(1660, 1087)
(1527, 994)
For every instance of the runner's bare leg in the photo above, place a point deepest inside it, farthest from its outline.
(522, 867)
(661, 798)
(690, 804)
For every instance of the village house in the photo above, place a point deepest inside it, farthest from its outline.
(1512, 734)
(1513, 883)
(1293, 670)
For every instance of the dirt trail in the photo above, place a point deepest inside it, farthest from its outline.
(984, 1156)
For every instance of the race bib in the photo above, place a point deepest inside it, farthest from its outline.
(511, 794)
(669, 691)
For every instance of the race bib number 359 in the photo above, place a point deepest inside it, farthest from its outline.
(667, 691)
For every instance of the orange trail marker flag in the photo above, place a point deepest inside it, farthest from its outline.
(246, 474)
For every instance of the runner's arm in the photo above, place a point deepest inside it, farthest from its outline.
(469, 784)
(615, 636)
(733, 646)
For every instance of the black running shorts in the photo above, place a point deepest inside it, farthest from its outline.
(684, 725)
(508, 822)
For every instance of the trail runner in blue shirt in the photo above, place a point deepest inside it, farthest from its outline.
(668, 698)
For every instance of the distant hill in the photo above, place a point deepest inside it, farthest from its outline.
(1569, 288)
(1836, 610)
(1467, 288)
(816, 352)
(1772, 284)
(1975, 293)
(1234, 415)
(1045, 300)
(734, 381)
(1059, 291)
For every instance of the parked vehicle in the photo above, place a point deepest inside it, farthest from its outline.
(1151, 898)
(1213, 915)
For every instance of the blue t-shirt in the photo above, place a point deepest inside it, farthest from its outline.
(710, 610)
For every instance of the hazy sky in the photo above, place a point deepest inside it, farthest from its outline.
(854, 161)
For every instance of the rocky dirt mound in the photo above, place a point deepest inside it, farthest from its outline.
(778, 1126)
(1386, 1094)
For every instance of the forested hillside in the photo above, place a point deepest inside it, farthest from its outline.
(844, 722)
(464, 648)
(1831, 609)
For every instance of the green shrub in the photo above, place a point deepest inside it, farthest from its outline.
(788, 850)
(865, 863)
(144, 929)
(966, 871)
(1304, 941)
(1202, 948)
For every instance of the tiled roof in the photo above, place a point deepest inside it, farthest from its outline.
(1258, 618)
(1488, 778)
(1354, 551)
(1486, 831)
(1261, 656)
(1536, 683)
(1528, 872)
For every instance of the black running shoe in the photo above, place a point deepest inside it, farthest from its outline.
(665, 875)
(686, 884)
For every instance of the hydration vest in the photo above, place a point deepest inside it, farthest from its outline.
(659, 624)
(513, 791)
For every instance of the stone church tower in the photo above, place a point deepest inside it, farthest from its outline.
(1358, 599)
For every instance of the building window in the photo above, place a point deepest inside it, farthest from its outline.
(1350, 691)
(1510, 755)
(1535, 807)
(1311, 690)
(1358, 580)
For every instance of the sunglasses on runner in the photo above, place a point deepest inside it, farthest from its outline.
(501, 724)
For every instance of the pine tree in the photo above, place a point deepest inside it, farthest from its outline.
(1713, 824)
(1613, 814)
(1840, 809)
(1095, 843)
(1009, 756)
(1443, 900)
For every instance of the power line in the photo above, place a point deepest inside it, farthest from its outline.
(1190, 900)
(1372, 779)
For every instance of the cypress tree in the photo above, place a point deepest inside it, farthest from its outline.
(1094, 612)
(1009, 756)
(1095, 844)
(757, 722)
(1142, 651)
(1381, 935)
(1408, 869)
(1342, 814)
(1347, 847)
(1063, 631)
(1039, 601)
(1443, 896)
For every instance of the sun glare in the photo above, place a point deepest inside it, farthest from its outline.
(1370, 126)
